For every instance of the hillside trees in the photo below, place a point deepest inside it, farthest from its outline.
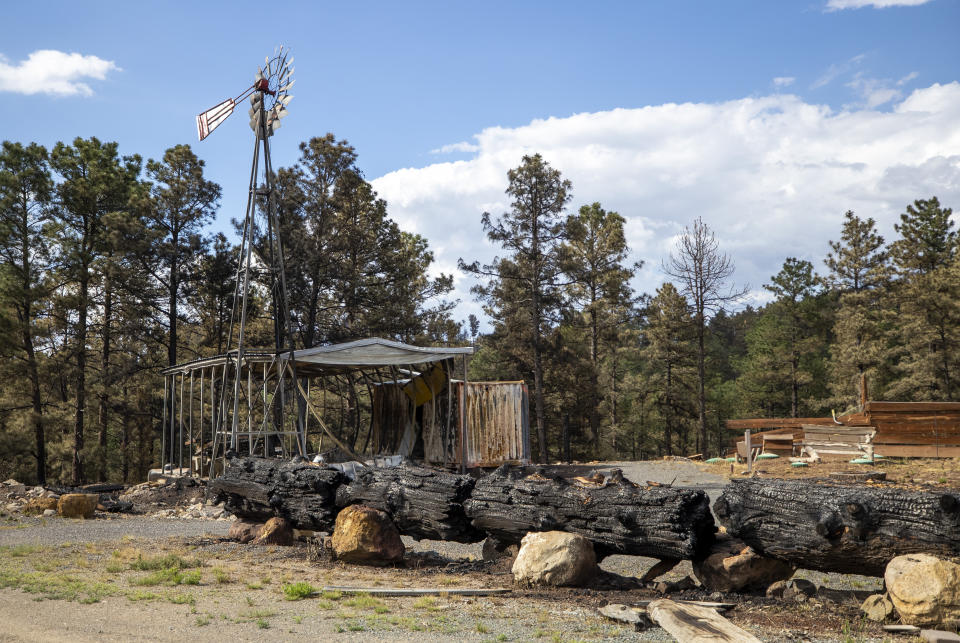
(95, 181)
(523, 292)
(26, 252)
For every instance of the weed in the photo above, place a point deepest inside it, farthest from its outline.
(263, 624)
(182, 599)
(325, 604)
(332, 596)
(426, 603)
(298, 591)
(502, 637)
(203, 619)
(298, 619)
(363, 601)
(170, 561)
(141, 595)
(249, 601)
(481, 628)
(221, 575)
(168, 576)
(115, 567)
(254, 586)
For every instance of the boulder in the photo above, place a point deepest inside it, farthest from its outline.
(734, 566)
(366, 535)
(554, 558)
(77, 505)
(495, 550)
(276, 531)
(49, 513)
(877, 607)
(37, 506)
(244, 530)
(924, 589)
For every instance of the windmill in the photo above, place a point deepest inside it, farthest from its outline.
(269, 97)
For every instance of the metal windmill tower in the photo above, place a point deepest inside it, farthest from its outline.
(261, 252)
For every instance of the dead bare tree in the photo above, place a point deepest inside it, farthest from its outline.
(702, 272)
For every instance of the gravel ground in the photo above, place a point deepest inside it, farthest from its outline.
(55, 531)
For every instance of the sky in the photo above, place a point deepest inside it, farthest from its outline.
(767, 119)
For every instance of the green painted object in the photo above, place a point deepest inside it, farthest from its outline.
(767, 456)
(715, 460)
(861, 461)
(731, 459)
(798, 464)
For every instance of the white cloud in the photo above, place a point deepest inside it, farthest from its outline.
(771, 175)
(783, 81)
(835, 70)
(837, 5)
(47, 71)
(451, 148)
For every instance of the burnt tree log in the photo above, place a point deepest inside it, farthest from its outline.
(259, 489)
(824, 525)
(424, 503)
(618, 516)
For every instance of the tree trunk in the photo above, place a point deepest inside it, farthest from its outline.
(35, 399)
(261, 488)
(840, 528)
(77, 474)
(424, 503)
(618, 516)
(106, 382)
(701, 382)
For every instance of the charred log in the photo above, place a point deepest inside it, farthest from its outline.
(618, 516)
(424, 503)
(823, 525)
(259, 489)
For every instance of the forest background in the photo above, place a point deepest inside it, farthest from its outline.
(110, 272)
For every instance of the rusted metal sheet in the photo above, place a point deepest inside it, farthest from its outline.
(497, 423)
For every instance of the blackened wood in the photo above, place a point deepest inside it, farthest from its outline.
(424, 503)
(828, 526)
(259, 489)
(619, 517)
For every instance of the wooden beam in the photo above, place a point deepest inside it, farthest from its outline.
(695, 624)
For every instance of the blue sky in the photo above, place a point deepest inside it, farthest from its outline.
(720, 100)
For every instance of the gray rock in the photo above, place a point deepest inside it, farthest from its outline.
(555, 558)
(877, 607)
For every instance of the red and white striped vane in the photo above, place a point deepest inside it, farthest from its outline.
(274, 80)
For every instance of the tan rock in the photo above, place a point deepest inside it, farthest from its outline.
(877, 607)
(36, 506)
(733, 566)
(924, 589)
(554, 558)
(366, 535)
(244, 530)
(276, 531)
(77, 505)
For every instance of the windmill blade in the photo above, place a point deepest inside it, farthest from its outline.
(281, 111)
(285, 99)
(287, 86)
(211, 119)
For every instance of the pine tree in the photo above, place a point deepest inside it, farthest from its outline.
(928, 296)
(524, 290)
(26, 249)
(670, 357)
(860, 274)
(593, 258)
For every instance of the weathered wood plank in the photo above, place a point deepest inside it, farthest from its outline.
(695, 624)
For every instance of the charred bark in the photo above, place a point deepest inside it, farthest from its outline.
(424, 503)
(618, 516)
(823, 525)
(259, 489)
